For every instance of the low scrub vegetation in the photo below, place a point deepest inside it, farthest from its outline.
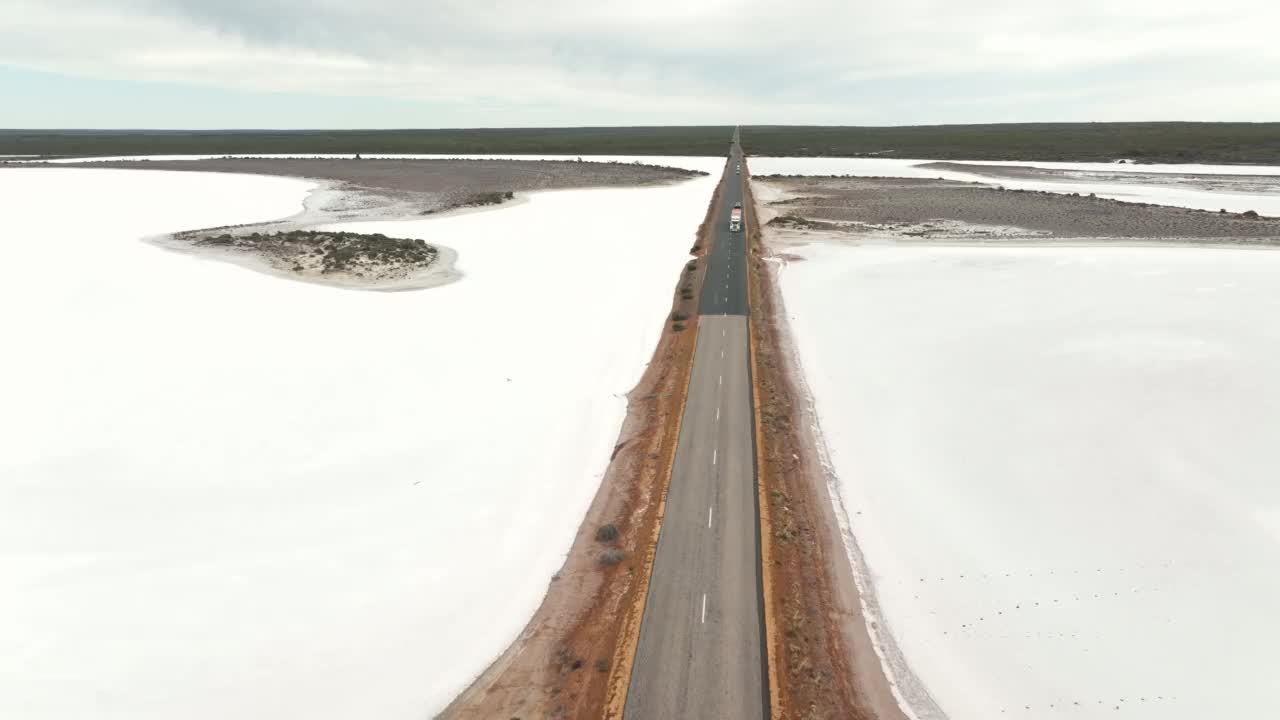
(799, 222)
(329, 252)
(1142, 141)
(1163, 142)
(704, 140)
(488, 198)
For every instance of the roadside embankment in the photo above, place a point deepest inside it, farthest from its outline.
(822, 661)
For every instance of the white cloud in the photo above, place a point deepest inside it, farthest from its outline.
(713, 61)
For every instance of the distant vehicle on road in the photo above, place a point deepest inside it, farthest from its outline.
(735, 218)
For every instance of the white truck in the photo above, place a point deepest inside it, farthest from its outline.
(735, 218)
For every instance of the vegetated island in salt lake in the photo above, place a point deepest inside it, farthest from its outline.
(338, 257)
(352, 190)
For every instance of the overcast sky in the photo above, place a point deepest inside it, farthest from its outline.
(459, 63)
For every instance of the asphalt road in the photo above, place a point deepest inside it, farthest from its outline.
(724, 291)
(701, 653)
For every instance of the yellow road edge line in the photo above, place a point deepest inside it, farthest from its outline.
(624, 654)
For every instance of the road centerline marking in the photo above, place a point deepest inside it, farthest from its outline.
(698, 683)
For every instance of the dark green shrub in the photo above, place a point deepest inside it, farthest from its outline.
(607, 533)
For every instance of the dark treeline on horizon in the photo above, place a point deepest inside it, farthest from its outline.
(1257, 143)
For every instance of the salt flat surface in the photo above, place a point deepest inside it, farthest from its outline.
(891, 166)
(706, 164)
(1158, 168)
(228, 495)
(1060, 467)
(1106, 180)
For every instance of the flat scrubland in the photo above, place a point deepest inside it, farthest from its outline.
(1167, 142)
(1047, 420)
(1144, 142)
(703, 140)
(223, 494)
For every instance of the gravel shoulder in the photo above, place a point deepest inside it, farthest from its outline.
(826, 659)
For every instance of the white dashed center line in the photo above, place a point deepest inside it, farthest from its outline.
(704, 608)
